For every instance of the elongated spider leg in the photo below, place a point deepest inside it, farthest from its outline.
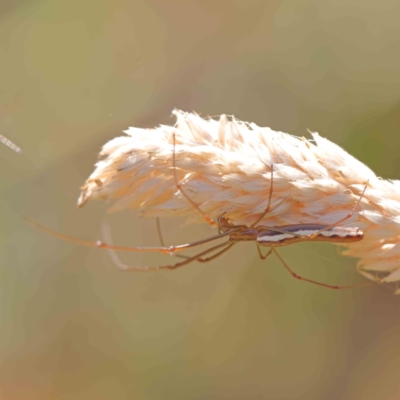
(349, 215)
(300, 278)
(260, 254)
(268, 207)
(160, 236)
(106, 246)
(187, 197)
(263, 214)
(187, 261)
(346, 233)
(213, 257)
(202, 260)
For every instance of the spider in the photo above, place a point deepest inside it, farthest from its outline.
(264, 236)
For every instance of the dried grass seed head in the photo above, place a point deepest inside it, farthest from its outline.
(225, 167)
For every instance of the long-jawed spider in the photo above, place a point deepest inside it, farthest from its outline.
(262, 235)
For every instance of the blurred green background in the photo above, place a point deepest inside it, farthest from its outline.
(74, 74)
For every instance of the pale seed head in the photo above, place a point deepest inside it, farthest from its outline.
(225, 165)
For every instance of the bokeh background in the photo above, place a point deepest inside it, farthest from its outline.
(73, 75)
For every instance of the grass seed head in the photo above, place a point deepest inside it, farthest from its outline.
(225, 167)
